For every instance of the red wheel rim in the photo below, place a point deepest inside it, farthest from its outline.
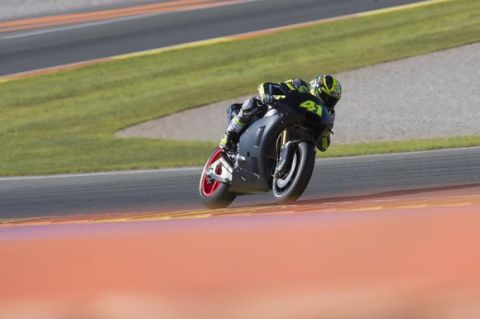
(210, 187)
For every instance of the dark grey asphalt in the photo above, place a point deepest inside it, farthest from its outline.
(37, 49)
(177, 189)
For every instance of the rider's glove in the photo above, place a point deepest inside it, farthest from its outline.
(268, 99)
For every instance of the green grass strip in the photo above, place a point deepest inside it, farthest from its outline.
(65, 122)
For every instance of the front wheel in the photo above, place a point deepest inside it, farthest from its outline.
(214, 194)
(292, 184)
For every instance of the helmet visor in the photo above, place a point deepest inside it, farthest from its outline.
(330, 101)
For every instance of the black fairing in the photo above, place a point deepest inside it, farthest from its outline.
(257, 153)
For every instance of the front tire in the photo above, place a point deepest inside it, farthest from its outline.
(288, 189)
(214, 194)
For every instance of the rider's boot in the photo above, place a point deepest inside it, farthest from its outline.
(232, 134)
(228, 140)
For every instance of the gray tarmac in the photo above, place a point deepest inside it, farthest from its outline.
(176, 189)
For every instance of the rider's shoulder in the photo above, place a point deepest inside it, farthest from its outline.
(300, 82)
(294, 84)
(297, 83)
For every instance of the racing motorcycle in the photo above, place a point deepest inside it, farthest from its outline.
(275, 153)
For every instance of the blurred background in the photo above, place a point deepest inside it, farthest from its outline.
(111, 107)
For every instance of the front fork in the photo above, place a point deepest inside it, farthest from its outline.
(284, 137)
(284, 154)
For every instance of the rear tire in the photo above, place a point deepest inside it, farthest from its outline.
(288, 189)
(214, 194)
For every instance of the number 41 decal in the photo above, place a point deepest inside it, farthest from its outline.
(312, 107)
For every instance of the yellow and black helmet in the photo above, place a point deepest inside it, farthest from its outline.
(327, 88)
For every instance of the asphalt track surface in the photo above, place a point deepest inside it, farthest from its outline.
(43, 47)
(176, 189)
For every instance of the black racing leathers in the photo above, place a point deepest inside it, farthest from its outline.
(255, 107)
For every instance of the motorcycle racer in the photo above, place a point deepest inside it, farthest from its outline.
(325, 87)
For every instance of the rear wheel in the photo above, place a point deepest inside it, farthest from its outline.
(214, 193)
(292, 184)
